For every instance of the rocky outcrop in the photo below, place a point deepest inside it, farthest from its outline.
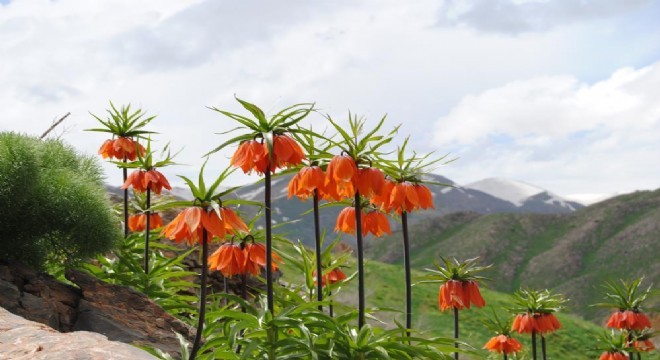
(38, 297)
(117, 312)
(125, 315)
(24, 339)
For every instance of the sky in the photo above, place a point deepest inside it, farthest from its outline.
(560, 94)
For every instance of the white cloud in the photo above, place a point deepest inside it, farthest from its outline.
(373, 57)
(558, 130)
(517, 16)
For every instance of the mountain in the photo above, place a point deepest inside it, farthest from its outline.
(572, 253)
(525, 196)
(483, 199)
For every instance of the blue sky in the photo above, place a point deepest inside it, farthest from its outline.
(561, 94)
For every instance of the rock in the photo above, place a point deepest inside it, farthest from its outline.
(24, 339)
(123, 314)
(118, 312)
(38, 297)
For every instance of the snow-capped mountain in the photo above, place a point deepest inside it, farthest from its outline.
(522, 194)
(485, 197)
(515, 192)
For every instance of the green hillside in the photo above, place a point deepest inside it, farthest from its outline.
(385, 286)
(571, 253)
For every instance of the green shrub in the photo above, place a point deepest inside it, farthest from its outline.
(53, 204)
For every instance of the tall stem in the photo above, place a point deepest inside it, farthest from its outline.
(406, 264)
(330, 307)
(125, 172)
(504, 353)
(147, 231)
(225, 288)
(269, 246)
(630, 353)
(202, 297)
(360, 251)
(533, 344)
(317, 234)
(456, 331)
(243, 310)
(543, 347)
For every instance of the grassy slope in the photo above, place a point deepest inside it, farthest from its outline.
(570, 253)
(385, 288)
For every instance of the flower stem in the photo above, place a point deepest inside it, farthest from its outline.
(406, 264)
(317, 234)
(505, 357)
(543, 347)
(202, 297)
(534, 344)
(456, 331)
(243, 310)
(146, 233)
(360, 251)
(125, 171)
(269, 246)
(225, 288)
(330, 307)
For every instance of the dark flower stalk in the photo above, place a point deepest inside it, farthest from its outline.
(269, 244)
(202, 297)
(360, 254)
(406, 264)
(147, 232)
(317, 235)
(456, 333)
(534, 344)
(125, 173)
(543, 352)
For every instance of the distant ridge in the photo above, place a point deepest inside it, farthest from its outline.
(572, 253)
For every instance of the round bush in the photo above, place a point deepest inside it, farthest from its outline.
(53, 204)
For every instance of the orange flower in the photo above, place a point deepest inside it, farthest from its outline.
(371, 182)
(188, 225)
(643, 345)
(524, 323)
(255, 258)
(613, 356)
(229, 259)
(333, 276)
(459, 294)
(143, 180)
(346, 221)
(138, 222)
(376, 222)
(382, 200)
(121, 147)
(250, 155)
(233, 223)
(628, 320)
(254, 155)
(306, 181)
(341, 175)
(540, 323)
(546, 323)
(286, 152)
(503, 344)
(404, 197)
(425, 197)
(472, 294)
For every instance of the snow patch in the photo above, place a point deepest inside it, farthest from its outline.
(515, 192)
(589, 198)
(252, 195)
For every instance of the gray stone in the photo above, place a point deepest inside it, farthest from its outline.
(21, 339)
